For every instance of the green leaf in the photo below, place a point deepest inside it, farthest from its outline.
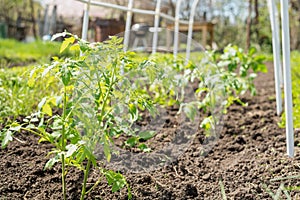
(58, 100)
(47, 109)
(107, 152)
(190, 110)
(29, 126)
(43, 139)
(144, 148)
(252, 51)
(52, 101)
(131, 142)
(146, 135)
(88, 154)
(45, 72)
(42, 102)
(56, 134)
(66, 77)
(15, 127)
(7, 138)
(261, 68)
(31, 81)
(66, 43)
(116, 180)
(206, 123)
(133, 112)
(52, 161)
(223, 63)
(71, 149)
(75, 47)
(34, 119)
(55, 58)
(57, 35)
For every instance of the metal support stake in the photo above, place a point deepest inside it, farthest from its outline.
(85, 24)
(190, 31)
(287, 77)
(176, 29)
(128, 25)
(276, 55)
(156, 24)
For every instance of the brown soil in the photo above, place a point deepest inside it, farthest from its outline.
(247, 158)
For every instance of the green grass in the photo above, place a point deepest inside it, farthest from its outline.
(295, 74)
(14, 53)
(295, 63)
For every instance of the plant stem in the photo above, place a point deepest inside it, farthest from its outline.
(63, 145)
(31, 131)
(97, 182)
(101, 117)
(86, 174)
(63, 176)
(107, 94)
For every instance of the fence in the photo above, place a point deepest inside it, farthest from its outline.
(155, 29)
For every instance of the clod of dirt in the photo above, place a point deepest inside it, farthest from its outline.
(191, 190)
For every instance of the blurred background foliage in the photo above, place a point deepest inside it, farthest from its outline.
(240, 22)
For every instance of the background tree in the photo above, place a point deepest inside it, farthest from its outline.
(295, 23)
(249, 21)
(242, 22)
(19, 13)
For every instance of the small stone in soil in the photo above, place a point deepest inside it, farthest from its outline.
(206, 177)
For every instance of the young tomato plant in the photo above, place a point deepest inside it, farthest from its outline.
(94, 90)
(222, 79)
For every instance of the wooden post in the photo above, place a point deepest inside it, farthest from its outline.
(33, 19)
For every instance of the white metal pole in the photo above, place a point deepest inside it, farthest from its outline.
(128, 24)
(176, 28)
(276, 55)
(278, 42)
(156, 24)
(287, 77)
(85, 24)
(190, 31)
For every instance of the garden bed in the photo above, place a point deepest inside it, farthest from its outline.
(246, 160)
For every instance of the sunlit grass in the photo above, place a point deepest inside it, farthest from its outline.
(295, 74)
(14, 53)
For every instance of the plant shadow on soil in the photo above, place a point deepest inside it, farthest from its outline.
(250, 153)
